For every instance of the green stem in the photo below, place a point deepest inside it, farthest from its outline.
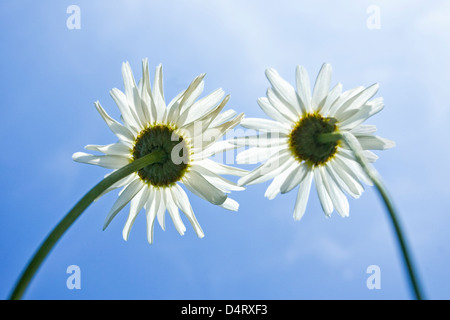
(354, 145)
(329, 137)
(73, 214)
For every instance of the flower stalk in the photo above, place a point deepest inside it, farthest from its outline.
(73, 214)
(329, 137)
(355, 146)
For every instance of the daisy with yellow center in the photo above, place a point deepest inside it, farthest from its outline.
(184, 133)
(303, 141)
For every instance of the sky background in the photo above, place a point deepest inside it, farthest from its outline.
(51, 75)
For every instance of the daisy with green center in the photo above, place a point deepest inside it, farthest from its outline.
(184, 133)
(304, 141)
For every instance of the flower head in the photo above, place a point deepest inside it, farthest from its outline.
(303, 141)
(185, 132)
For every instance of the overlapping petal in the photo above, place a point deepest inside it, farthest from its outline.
(340, 174)
(142, 106)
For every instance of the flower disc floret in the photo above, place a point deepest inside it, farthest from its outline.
(174, 163)
(304, 139)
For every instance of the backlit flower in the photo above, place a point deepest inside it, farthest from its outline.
(300, 144)
(187, 132)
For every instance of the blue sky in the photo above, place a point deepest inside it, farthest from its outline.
(52, 75)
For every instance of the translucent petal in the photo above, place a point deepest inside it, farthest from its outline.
(198, 185)
(303, 195)
(136, 205)
(128, 193)
(303, 88)
(324, 197)
(321, 87)
(284, 90)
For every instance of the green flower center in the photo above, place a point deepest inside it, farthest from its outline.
(304, 139)
(173, 164)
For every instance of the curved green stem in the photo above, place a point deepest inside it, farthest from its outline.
(354, 145)
(73, 214)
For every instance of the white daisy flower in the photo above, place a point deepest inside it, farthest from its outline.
(186, 130)
(290, 147)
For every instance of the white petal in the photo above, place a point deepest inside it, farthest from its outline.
(270, 110)
(176, 99)
(132, 95)
(146, 76)
(151, 208)
(268, 170)
(145, 93)
(274, 188)
(266, 125)
(119, 130)
(366, 111)
(155, 112)
(109, 162)
(158, 94)
(127, 114)
(263, 140)
(212, 136)
(201, 107)
(354, 118)
(353, 167)
(295, 177)
(343, 99)
(173, 211)
(117, 149)
(370, 156)
(255, 155)
(346, 152)
(174, 109)
(303, 88)
(192, 93)
(182, 201)
(230, 204)
(160, 207)
(211, 119)
(136, 205)
(375, 142)
(215, 148)
(377, 104)
(331, 98)
(123, 182)
(216, 180)
(198, 185)
(173, 114)
(356, 102)
(364, 96)
(349, 182)
(303, 195)
(363, 129)
(277, 109)
(223, 169)
(321, 87)
(338, 198)
(325, 200)
(284, 90)
(128, 193)
(222, 117)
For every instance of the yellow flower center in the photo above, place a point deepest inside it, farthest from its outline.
(304, 139)
(175, 162)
